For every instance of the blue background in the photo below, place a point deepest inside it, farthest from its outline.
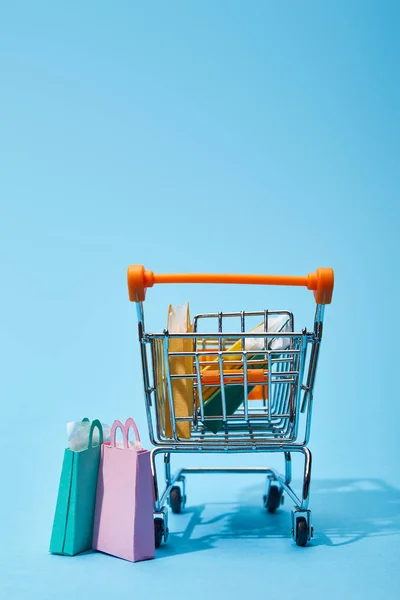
(200, 136)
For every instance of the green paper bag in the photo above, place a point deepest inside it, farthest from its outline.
(74, 516)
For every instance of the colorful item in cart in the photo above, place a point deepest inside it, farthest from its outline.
(124, 522)
(74, 516)
(234, 394)
(182, 389)
(235, 361)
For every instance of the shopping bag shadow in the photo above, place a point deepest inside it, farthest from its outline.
(344, 511)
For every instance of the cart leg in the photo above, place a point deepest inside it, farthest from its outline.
(306, 477)
(288, 468)
(274, 494)
(176, 495)
(302, 529)
(182, 479)
(167, 468)
(157, 506)
(161, 530)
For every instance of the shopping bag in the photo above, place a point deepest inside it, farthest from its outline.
(182, 389)
(74, 515)
(124, 522)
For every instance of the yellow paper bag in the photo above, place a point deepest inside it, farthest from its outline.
(182, 389)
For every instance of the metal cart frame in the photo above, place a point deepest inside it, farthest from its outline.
(279, 423)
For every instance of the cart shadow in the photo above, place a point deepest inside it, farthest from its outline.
(344, 511)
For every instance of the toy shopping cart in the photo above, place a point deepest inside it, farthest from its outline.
(249, 389)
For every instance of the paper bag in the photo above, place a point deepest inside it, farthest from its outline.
(73, 520)
(182, 389)
(124, 522)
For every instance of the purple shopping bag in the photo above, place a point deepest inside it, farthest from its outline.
(124, 523)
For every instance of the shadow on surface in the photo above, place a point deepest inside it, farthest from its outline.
(344, 512)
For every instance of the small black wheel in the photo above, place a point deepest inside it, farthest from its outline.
(273, 499)
(158, 531)
(301, 531)
(175, 499)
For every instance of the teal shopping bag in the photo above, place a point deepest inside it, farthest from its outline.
(74, 516)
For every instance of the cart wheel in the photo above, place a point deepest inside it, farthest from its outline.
(175, 499)
(273, 499)
(301, 531)
(158, 531)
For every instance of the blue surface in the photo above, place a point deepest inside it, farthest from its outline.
(205, 137)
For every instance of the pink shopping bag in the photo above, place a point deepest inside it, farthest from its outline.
(124, 523)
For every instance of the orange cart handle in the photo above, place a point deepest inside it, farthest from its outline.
(321, 282)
